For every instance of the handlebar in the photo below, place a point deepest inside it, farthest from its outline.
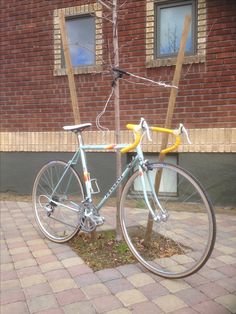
(142, 127)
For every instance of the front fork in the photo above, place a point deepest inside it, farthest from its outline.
(163, 214)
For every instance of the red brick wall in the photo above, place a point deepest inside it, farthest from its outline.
(32, 99)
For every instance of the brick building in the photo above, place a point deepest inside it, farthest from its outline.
(35, 98)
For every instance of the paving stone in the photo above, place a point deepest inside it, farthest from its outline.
(118, 285)
(214, 263)
(8, 275)
(228, 301)
(29, 281)
(228, 283)
(95, 290)
(128, 270)
(174, 285)
(19, 250)
(186, 310)
(106, 303)
(70, 296)
(46, 259)
(79, 308)
(146, 307)
(154, 290)
(66, 255)
(62, 284)
(192, 296)
(169, 303)
(51, 311)
(87, 279)
(17, 244)
(50, 266)
(131, 297)
(120, 311)
(35, 242)
(212, 274)
(227, 259)
(12, 296)
(21, 257)
(14, 240)
(213, 290)
(72, 261)
(43, 302)
(210, 307)
(196, 280)
(5, 257)
(228, 270)
(37, 290)
(108, 274)
(43, 252)
(6, 267)
(226, 249)
(140, 280)
(28, 271)
(10, 284)
(25, 263)
(16, 307)
(57, 274)
(79, 270)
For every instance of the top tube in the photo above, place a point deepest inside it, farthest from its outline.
(103, 147)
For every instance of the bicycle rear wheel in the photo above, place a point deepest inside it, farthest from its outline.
(57, 194)
(182, 244)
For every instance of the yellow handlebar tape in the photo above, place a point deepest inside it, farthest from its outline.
(138, 136)
(136, 140)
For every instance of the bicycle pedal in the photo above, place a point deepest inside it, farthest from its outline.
(99, 220)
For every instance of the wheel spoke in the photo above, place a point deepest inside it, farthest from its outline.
(58, 215)
(179, 245)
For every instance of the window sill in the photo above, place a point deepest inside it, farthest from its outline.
(80, 70)
(172, 61)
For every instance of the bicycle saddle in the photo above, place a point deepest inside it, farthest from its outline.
(77, 127)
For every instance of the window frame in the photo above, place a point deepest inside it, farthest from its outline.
(157, 32)
(94, 10)
(200, 16)
(75, 17)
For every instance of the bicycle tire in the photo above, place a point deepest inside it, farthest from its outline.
(181, 245)
(57, 212)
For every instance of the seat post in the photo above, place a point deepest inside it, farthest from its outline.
(80, 138)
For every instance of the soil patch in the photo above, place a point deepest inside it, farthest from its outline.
(105, 252)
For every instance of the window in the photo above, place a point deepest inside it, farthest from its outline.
(164, 26)
(81, 40)
(84, 32)
(169, 26)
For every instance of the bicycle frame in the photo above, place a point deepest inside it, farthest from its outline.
(137, 160)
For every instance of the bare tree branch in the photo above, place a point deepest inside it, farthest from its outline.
(123, 4)
(104, 4)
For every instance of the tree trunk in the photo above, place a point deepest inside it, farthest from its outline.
(117, 113)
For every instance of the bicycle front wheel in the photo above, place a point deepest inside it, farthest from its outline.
(57, 194)
(181, 242)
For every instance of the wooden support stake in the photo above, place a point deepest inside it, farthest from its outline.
(176, 79)
(169, 115)
(69, 69)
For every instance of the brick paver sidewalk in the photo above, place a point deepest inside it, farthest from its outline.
(38, 276)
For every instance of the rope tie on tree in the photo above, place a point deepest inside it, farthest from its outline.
(118, 74)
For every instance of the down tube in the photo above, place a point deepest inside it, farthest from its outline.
(113, 188)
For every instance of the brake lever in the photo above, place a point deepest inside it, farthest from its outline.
(183, 130)
(146, 128)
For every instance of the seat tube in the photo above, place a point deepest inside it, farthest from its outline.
(86, 175)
